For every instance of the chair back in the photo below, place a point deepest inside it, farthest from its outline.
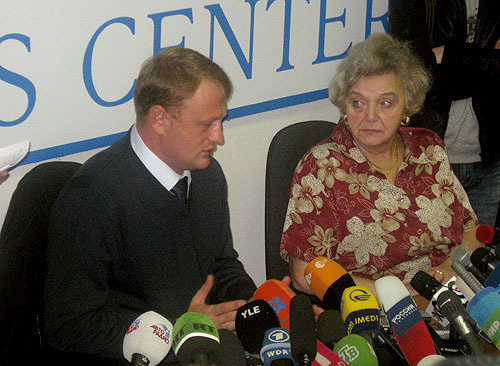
(287, 147)
(23, 244)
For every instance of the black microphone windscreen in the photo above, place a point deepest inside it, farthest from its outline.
(330, 327)
(332, 296)
(302, 328)
(451, 307)
(231, 351)
(425, 284)
(483, 260)
(449, 303)
(198, 349)
(252, 321)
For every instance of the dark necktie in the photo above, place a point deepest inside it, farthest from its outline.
(180, 189)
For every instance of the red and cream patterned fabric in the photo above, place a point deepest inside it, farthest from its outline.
(342, 209)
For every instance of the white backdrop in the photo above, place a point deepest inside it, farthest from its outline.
(67, 70)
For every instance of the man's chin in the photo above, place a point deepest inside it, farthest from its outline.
(202, 164)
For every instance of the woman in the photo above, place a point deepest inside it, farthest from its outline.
(378, 198)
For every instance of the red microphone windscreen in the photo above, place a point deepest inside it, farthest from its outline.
(278, 295)
(485, 234)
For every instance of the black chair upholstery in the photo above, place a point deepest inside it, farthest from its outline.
(285, 151)
(23, 243)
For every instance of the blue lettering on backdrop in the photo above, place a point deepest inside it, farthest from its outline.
(217, 12)
(157, 18)
(384, 18)
(18, 80)
(87, 64)
(285, 62)
(323, 20)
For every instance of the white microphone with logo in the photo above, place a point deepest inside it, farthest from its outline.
(148, 339)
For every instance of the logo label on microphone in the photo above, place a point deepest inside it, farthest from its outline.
(363, 321)
(403, 315)
(321, 263)
(491, 326)
(134, 326)
(308, 277)
(250, 311)
(278, 336)
(276, 346)
(359, 295)
(348, 353)
(162, 332)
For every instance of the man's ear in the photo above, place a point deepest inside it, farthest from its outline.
(159, 119)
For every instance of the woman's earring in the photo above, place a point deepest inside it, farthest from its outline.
(405, 122)
(344, 118)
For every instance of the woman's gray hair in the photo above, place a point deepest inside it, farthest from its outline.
(380, 54)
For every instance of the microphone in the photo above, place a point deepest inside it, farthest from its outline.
(408, 327)
(328, 280)
(451, 307)
(484, 261)
(302, 330)
(488, 264)
(330, 328)
(195, 339)
(356, 351)
(467, 277)
(433, 360)
(252, 321)
(147, 340)
(278, 295)
(360, 312)
(426, 285)
(326, 357)
(462, 255)
(484, 308)
(464, 288)
(276, 349)
(487, 234)
(430, 288)
(231, 352)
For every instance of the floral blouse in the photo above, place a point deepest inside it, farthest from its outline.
(342, 209)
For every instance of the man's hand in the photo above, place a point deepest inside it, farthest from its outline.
(223, 315)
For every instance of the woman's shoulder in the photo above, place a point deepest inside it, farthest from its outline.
(420, 137)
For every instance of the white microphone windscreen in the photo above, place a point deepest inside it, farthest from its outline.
(432, 360)
(149, 335)
(390, 290)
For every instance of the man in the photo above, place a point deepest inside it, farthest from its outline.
(121, 241)
(459, 42)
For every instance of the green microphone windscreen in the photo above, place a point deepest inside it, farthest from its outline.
(356, 351)
(195, 337)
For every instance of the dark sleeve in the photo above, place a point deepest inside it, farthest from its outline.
(465, 68)
(434, 114)
(84, 249)
(231, 280)
(468, 70)
(401, 14)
